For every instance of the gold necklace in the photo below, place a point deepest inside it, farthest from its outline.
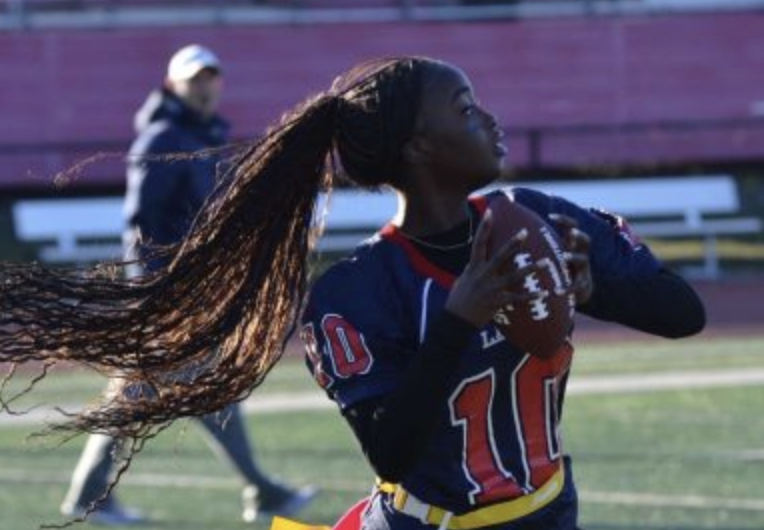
(444, 248)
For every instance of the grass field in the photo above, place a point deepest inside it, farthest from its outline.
(676, 443)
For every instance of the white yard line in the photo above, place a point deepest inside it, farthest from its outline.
(185, 481)
(275, 402)
(651, 382)
(671, 501)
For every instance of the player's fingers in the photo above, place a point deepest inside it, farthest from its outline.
(577, 260)
(479, 252)
(563, 221)
(574, 239)
(578, 264)
(502, 260)
(581, 289)
(578, 241)
(517, 289)
(580, 268)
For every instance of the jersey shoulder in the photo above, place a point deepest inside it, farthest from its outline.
(356, 282)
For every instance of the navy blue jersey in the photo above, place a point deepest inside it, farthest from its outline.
(498, 436)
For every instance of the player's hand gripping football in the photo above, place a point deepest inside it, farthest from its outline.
(576, 244)
(489, 282)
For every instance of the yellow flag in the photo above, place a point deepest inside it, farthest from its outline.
(281, 523)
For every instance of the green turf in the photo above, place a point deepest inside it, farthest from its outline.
(665, 460)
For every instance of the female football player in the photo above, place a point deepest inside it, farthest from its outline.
(461, 426)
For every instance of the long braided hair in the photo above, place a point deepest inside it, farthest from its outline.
(204, 331)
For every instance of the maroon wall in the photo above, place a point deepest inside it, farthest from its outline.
(83, 86)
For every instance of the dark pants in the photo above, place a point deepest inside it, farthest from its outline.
(226, 431)
(227, 436)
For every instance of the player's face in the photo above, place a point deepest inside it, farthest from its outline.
(460, 141)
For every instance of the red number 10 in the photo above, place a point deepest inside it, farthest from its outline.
(534, 388)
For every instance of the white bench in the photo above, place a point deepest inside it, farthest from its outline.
(668, 207)
(87, 230)
(81, 230)
(84, 230)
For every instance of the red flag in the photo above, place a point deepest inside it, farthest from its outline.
(351, 520)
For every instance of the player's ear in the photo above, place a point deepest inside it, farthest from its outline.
(417, 151)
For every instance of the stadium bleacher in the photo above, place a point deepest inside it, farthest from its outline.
(572, 92)
(586, 87)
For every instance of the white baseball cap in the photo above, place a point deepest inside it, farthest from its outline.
(189, 61)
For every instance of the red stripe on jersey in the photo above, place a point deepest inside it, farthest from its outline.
(420, 264)
(418, 261)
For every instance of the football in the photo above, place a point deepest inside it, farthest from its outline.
(538, 326)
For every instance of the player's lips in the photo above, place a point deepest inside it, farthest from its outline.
(499, 149)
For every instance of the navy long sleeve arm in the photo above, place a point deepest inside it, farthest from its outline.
(663, 304)
(395, 430)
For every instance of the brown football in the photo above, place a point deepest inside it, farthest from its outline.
(538, 326)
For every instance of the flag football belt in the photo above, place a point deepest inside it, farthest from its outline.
(502, 512)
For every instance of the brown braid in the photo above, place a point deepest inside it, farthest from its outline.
(205, 331)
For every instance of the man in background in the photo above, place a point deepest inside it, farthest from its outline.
(162, 199)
